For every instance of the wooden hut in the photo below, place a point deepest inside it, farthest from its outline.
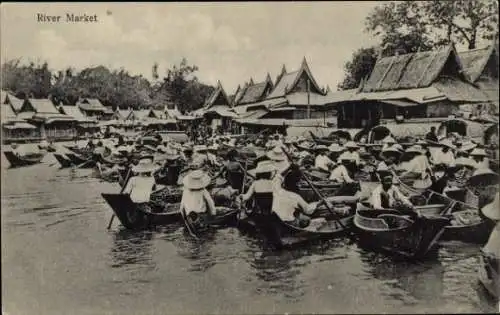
(416, 85)
(46, 117)
(217, 111)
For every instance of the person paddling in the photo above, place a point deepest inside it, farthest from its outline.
(388, 196)
(196, 200)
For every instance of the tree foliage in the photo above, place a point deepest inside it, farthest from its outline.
(358, 68)
(117, 88)
(410, 26)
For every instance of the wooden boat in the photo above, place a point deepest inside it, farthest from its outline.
(489, 276)
(329, 188)
(78, 150)
(284, 235)
(200, 224)
(409, 236)
(132, 217)
(25, 160)
(63, 161)
(49, 148)
(79, 160)
(323, 141)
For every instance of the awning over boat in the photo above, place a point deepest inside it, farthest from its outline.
(403, 130)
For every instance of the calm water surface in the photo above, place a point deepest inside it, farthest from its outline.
(58, 258)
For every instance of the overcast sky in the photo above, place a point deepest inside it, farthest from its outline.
(230, 42)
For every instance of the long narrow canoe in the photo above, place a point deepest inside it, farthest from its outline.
(18, 161)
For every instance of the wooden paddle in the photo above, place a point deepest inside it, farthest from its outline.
(121, 192)
(244, 177)
(323, 200)
(84, 163)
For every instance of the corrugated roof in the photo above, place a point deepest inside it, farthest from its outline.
(91, 104)
(43, 106)
(285, 122)
(75, 112)
(7, 114)
(15, 102)
(255, 114)
(415, 70)
(19, 125)
(265, 103)
(221, 110)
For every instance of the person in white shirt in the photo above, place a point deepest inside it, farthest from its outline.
(279, 159)
(340, 173)
(351, 154)
(388, 196)
(212, 158)
(390, 143)
(445, 156)
(419, 164)
(141, 185)
(200, 156)
(195, 197)
(322, 161)
(480, 158)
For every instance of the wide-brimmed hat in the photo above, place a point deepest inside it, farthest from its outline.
(263, 167)
(335, 147)
(467, 145)
(447, 143)
(276, 154)
(321, 147)
(415, 149)
(145, 165)
(351, 145)
(382, 167)
(199, 148)
(389, 139)
(483, 177)
(196, 179)
(478, 152)
(391, 152)
(492, 210)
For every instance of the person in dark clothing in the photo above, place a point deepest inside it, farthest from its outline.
(431, 135)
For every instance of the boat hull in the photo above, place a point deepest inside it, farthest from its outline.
(63, 162)
(133, 218)
(19, 161)
(489, 277)
(413, 241)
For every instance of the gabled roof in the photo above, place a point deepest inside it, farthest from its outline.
(155, 113)
(7, 114)
(75, 112)
(409, 71)
(8, 98)
(39, 106)
(256, 92)
(139, 114)
(218, 97)
(172, 113)
(288, 82)
(474, 61)
(92, 103)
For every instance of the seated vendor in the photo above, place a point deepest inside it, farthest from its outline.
(388, 196)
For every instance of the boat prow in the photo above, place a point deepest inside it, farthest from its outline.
(18, 161)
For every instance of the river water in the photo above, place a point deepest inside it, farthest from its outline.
(59, 258)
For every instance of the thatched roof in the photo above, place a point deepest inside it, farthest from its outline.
(7, 113)
(8, 98)
(410, 71)
(91, 104)
(75, 112)
(475, 61)
(218, 97)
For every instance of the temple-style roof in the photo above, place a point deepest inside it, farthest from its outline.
(296, 81)
(255, 92)
(218, 97)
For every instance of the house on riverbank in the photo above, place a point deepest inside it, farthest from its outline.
(428, 84)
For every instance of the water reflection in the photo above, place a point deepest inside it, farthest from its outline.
(132, 248)
(197, 251)
(422, 281)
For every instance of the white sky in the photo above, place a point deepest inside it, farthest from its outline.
(230, 42)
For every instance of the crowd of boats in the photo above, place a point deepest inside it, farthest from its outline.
(292, 191)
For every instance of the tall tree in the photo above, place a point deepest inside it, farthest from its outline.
(358, 68)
